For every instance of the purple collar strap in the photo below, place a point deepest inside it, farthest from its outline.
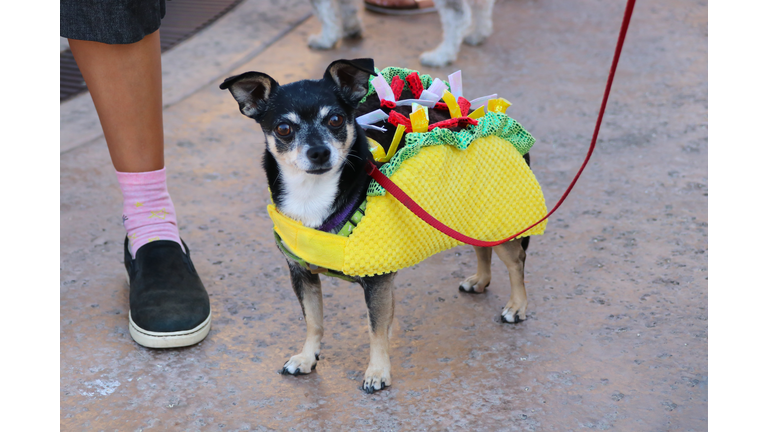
(339, 219)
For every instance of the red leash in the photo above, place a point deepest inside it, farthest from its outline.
(411, 205)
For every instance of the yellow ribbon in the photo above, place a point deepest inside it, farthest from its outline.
(478, 113)
(499, 105)
(453, 106)
(419, 121)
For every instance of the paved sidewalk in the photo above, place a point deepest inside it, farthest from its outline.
(617, 332)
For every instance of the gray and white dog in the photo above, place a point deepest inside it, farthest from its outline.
(469, 21)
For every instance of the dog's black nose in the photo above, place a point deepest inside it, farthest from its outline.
(318, 154)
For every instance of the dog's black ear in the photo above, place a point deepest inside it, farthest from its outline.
(251, 90)
(351, 76)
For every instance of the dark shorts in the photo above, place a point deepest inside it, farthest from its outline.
(110, 21)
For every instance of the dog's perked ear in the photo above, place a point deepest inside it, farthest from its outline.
(351, 76)
(251, 90)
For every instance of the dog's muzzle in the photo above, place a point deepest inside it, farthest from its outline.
(319, 158)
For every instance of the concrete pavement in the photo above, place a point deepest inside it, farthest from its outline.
(617, 332)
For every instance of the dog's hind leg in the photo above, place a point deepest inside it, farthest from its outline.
(380, 298)
(456, 17)
(328, 13)
(482, 22)
(352, 27)
(307, 288)
(512, 254)
(478, 282)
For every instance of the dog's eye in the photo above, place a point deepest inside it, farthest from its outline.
(283, 129)
(336, 120)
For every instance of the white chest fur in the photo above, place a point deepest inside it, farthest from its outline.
(309, 198)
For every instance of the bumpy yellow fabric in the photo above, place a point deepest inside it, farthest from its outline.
(486, 191)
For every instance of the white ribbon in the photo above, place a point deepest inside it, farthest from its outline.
(383, 89)
(477, 103)
(454, 80)
(436, 88)
(428, 95)
(371, 117)
(367, 126)
(425, 102)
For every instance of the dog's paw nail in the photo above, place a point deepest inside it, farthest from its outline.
(514, 320)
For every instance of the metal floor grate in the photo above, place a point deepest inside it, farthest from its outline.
(183, 18)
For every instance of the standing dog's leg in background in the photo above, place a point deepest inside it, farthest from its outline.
(456, 17)
(352, 27)
(328, 13)
(482, 22)
(478, 282)
(512, 254)
(380, 298)
(307, 288)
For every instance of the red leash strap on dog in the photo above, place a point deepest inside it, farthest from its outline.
(411, 205)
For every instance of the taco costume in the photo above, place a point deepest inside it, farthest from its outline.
(467, 171)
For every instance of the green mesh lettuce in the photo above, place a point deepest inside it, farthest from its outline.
(492, 123)
(390, 72)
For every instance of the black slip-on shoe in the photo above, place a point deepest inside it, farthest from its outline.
(169, 306)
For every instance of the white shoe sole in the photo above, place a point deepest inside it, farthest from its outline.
(177, 339)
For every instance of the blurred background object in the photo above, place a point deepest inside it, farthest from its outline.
(183, 18)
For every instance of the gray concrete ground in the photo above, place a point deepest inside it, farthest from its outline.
(617, 332)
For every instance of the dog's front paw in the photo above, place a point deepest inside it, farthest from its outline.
(353, 33)
(353, 29)
(376, 378)
(322, 41)
(300, 364)
(475, 284)
(476, 38)
(514, 312)
(437, 57)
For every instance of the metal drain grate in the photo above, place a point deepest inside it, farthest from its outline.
(183, 18)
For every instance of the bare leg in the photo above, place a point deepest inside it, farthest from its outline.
(307, 288)
(478, 282)
(125, 82)
(512, 254)
(380, 298)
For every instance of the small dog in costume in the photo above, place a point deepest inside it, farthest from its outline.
(466, 168)
(469, 21)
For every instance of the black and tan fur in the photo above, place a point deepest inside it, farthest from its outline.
(323, 157)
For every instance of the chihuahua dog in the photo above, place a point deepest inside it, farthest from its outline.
(470, 21)
(314, 159)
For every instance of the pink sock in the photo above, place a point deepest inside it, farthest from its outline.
(148, 212)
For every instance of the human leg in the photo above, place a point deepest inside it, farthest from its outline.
(169, 306)
(125, 82)
(126, 86)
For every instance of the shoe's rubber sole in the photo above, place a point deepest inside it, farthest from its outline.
(177, 339)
